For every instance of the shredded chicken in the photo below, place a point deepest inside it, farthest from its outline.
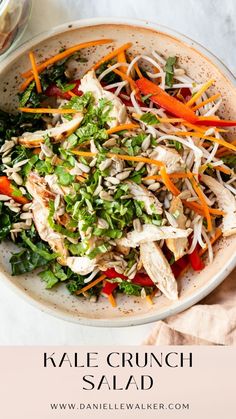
(158, 268)
(178, 246)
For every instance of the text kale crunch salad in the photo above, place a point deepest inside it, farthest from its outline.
(117, 182)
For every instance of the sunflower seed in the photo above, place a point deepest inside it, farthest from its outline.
(143, 294)
(105, 196)
(17, 178)
(75, 171)
(154, 186)
(123, 175)
(93, 162)
(105, 164)
(102, 223)
(6, 160)
(93, 147)
(23, 191)
(19, 225)
(127, 196)
(146, 143)
(185, 195)
(26, 207)
(26, 215)
(139, 166)
(46, 150)
(113, 180)
(137, 225)
(4, 198)
(131, 273)
(8, 145)
(166, 203)
(109, 143)
(84, 167)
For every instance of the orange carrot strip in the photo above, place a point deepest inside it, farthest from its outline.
(125, 77)
(149, 299)
(66, 53)
(198, 94)
(112, 54)
(71, 93)
(122, 128)
(195, 206)
(112, 300)
(91, 284)
(26, 83)
(205, 102)
(166, 179)
(35, 72)
(47, 110)
(203, 202)
(136, 67)
(121, 58)
(220, 141)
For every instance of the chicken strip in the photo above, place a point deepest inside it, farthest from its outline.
(57, 134)
(158, 268)
(140, 193)
(37, 187)
(226, 202)
(118, 114)
(152, 233)
(178, 246)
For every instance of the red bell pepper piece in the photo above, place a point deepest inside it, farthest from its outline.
(6, 188)
(111, 273)
(54, 90)
(109, 287)
(140, 278)
(143, 280)
(195, 260)
(216, 123)
(167, 102)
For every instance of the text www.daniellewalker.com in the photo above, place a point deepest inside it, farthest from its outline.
(119, 406)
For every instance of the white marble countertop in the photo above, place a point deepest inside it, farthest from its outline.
(210, 22)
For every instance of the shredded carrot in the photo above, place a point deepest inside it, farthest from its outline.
(223, 150)
(205, 102)
(136, 67)
(122, 128)
(220, 141)
(66, 53)
(35, 72)
(149, 299)
(202, 129)
(200, 92)
(121, 58)
(91, 284)
(112, 300)
(26, 83)
(219, 168)
(195, 206)
(177, 175)
(121, 157)
(125, 77)
(47, 110)
(112, 54)
(203, 202)
(170, 120)
(166, 179)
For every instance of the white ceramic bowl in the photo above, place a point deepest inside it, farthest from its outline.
(201, 65)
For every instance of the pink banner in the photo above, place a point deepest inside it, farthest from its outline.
(148, 382)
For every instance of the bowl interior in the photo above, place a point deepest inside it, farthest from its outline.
(193, 286)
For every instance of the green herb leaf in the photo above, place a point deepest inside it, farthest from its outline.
(169, 69)
(149, 118)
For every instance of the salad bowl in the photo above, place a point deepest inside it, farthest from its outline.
(200, 65)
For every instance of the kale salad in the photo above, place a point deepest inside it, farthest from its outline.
(118, 181)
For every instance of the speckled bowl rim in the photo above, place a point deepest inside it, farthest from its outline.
(231, 264)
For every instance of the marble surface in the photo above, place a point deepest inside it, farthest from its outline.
(210, 22)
